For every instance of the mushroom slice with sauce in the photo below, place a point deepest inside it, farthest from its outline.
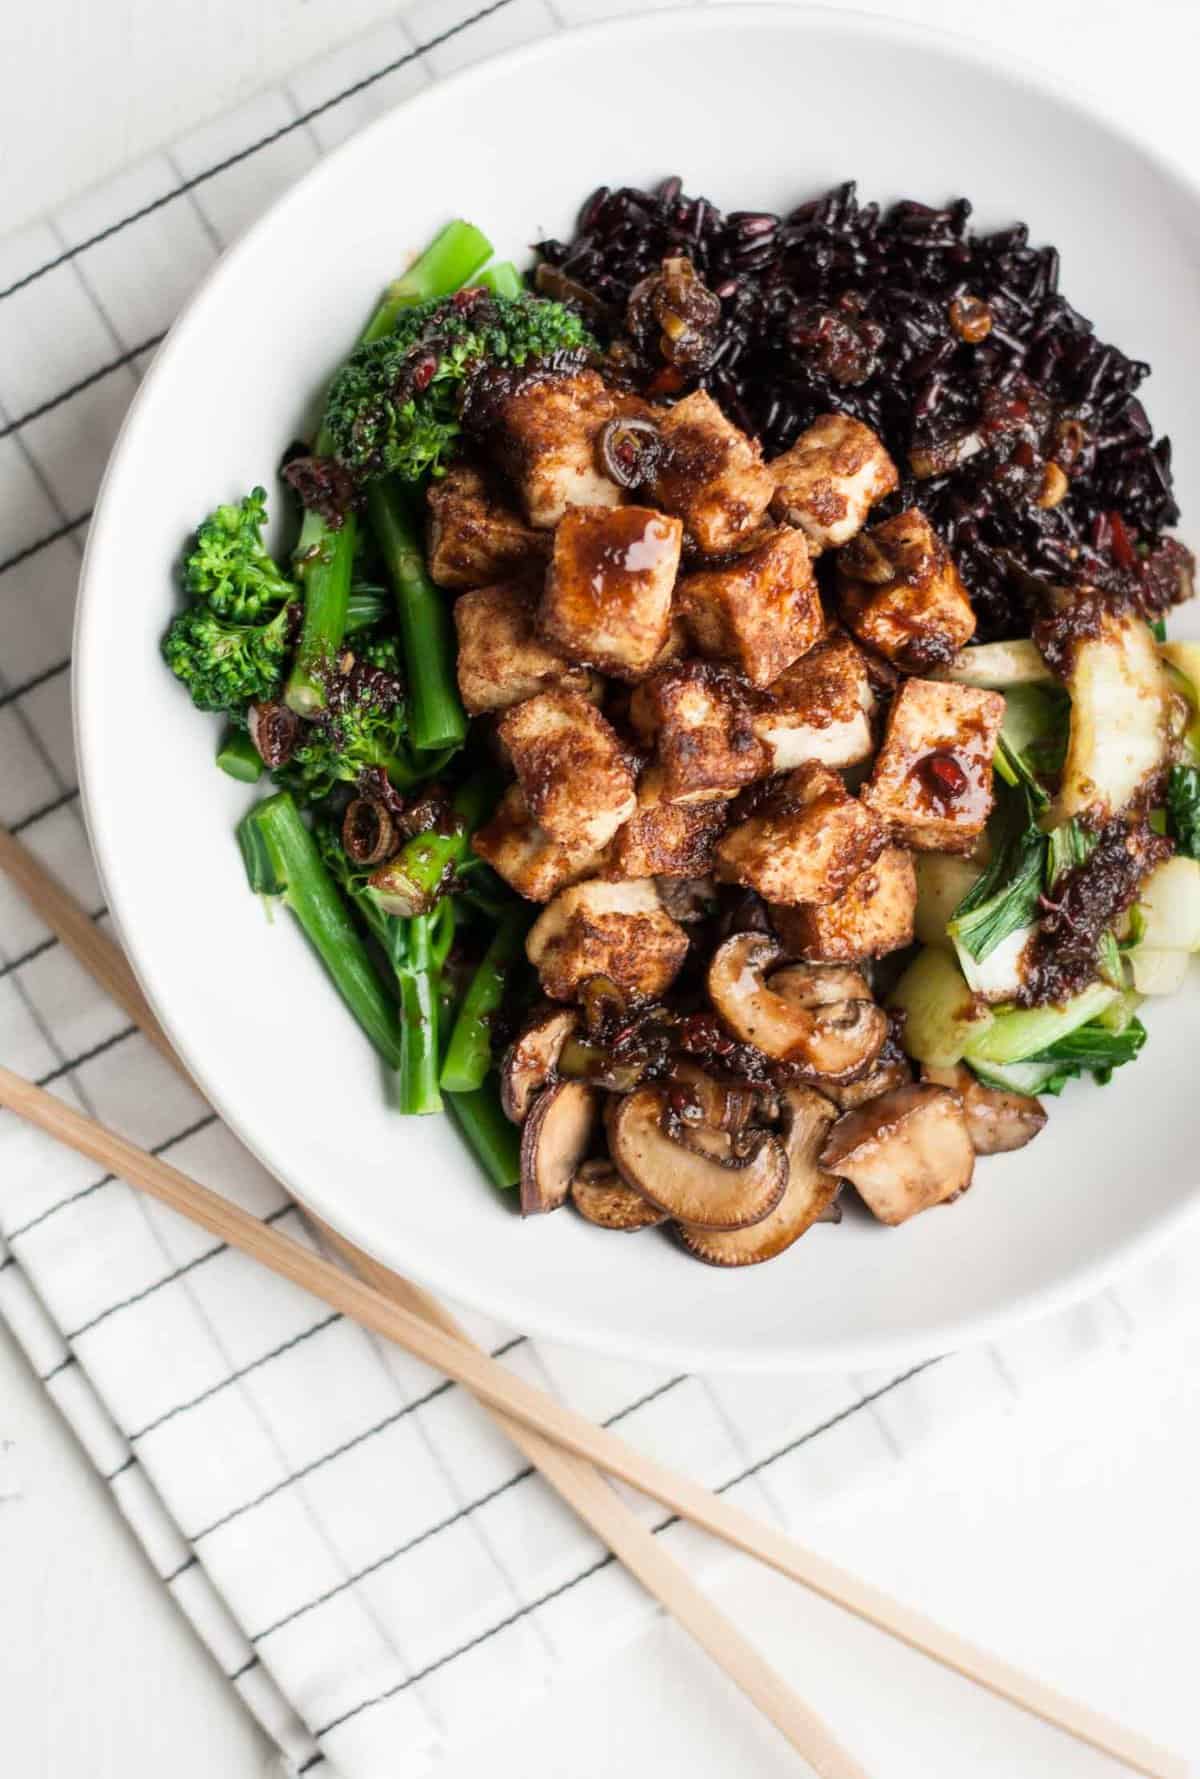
(905, 1151)
(601, 1196)
(554, 1140)
(839, 1039)
(997, 1121)
(807, 1199)
(532, 1058)
(717, 1190)
(820, 985)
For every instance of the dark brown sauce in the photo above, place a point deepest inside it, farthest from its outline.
(1082, 906)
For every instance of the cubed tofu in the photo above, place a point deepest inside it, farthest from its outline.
(547, 436)
(871, 918)
(473, 536)
(932, 779)
(819, 709)
(607, 600)
(663, 839)
(571, 766)
(761, 610)
(530, 861)
(806, 842)
(711, 475)
(501, 658)
(829, 480)
(697, 716)
(618, 930)
(901, 594)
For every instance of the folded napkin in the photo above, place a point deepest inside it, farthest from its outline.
(365, 1556)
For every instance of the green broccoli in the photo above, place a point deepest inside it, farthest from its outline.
(396, 405)
(228, 565)
(362, 727)
(227, 666)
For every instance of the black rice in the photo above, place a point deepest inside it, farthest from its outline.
(956, 347)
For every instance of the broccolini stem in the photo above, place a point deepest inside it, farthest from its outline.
(437, 718)
(416, 977)
(496, 1142)
(502, 279)
(412, 882)
(281, 859)
(450, 260)
(324, 563)
(469, 1053)
(238, 756)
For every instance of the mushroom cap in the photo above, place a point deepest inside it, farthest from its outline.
(998, 1121)
(554, 1140)
(601, 1196)
(838, 1039)
(531, 1058)
(719, 1189)
(808, 1197)
(905, 1151)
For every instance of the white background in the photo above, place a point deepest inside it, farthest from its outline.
(1063, 1534)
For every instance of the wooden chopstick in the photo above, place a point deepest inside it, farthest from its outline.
(499, 1389)
(687, 1499)
(577, 1482)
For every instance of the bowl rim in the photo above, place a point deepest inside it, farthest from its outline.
(948, 1333)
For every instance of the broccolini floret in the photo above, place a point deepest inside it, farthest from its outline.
(395, 406)
(363, 726)
(226, 666)
(229, 567)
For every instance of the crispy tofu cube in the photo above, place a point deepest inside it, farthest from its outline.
(473, 536)
(900, 592)
(806, 842)
(697, 716)
(711, 475)
(547, 435)
(830, 479)
(760, 611)
(932, 780)
(501, 658)
(820, 709)
(619, 930)
(663, 839)
(871, 918)
(571, 766)
(608, 591)
(531, 861)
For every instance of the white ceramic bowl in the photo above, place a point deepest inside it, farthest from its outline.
(757, 107)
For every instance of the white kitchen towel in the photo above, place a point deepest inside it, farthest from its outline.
(368, 1560)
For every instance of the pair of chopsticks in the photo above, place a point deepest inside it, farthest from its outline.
(567, 1449)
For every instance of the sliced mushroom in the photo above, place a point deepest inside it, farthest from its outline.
(554, 1141)
(531, 1059)
(997, 1121)
(904, 1151)
(838, 1040)
(600, 1194)
(885, 1073)
(810, 1194)
(696, 1097)
(820, 985)
(718, 1190)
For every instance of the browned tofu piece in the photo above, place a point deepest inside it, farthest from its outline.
(871, 918)
(473, 536)
(697, 716)
(806, 842)
(618, 930)
(547, 435)
(932, 780)
(663, 839)
(571, 766)
(820, 708)
(531, 861)
(501, 657)
(608, 591)
(830, 479)
(711, 475)
(760, 611)
(900, 592)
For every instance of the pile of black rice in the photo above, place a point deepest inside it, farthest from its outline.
(957, 348)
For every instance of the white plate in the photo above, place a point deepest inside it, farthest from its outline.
(755, 107)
